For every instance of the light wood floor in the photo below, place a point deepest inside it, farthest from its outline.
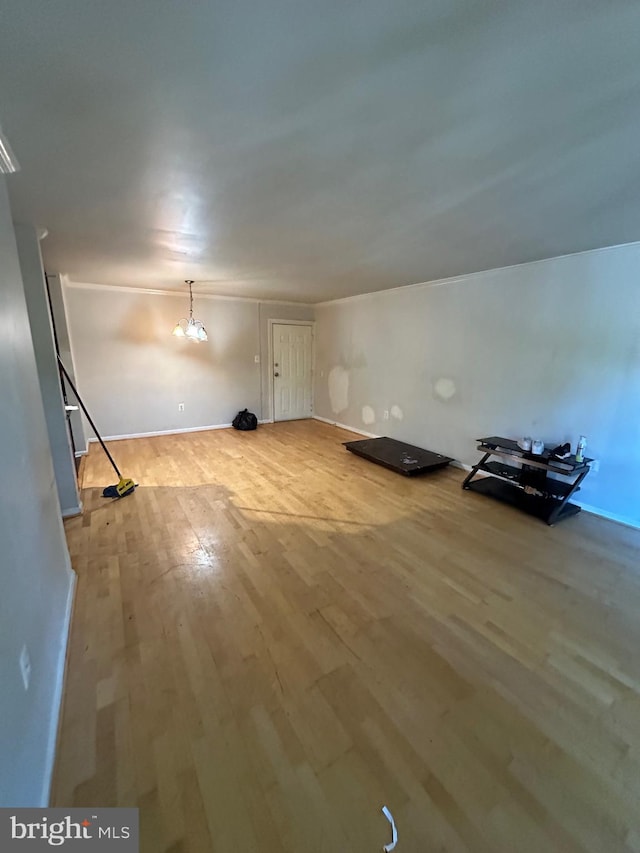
(273, 638)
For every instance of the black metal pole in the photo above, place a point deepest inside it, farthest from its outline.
(88, 416)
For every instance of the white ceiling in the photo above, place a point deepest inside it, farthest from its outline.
(311, 149)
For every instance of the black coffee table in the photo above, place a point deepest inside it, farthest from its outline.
(398, 456)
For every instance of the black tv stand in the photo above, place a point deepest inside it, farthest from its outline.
(528, 487)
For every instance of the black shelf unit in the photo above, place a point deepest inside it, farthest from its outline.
(529, 487)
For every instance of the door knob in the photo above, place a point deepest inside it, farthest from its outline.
(276, 374)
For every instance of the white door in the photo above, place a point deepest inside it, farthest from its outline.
(291, 372)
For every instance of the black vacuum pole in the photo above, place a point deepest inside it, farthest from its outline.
(61, 377)
(88, 416)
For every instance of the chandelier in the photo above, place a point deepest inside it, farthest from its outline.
(190, 328)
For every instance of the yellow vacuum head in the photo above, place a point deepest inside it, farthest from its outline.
(123, 488)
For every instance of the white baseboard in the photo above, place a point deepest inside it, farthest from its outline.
(345, 426)
(94, 440)
(160, 432)
(611, 516)
(72, 511)
(58, 696)
(80, 453)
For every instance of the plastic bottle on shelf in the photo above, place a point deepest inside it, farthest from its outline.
(582, 443)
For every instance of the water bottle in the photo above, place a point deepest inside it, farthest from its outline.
(582, 443)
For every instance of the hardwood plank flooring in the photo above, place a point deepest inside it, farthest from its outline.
(273, 639)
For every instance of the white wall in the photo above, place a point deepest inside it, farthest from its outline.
(35, 573)
(47, 365)
(549, 349)
(132, 372)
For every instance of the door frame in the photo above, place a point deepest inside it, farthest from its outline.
(270, 384)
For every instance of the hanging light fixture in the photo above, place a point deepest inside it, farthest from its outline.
(192, 329)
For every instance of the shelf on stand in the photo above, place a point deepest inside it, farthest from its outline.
(530, 486)
(540, 507)
(551, 487)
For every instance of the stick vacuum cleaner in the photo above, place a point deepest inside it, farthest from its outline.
(125, 486)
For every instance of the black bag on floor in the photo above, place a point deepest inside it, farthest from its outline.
(245, 420)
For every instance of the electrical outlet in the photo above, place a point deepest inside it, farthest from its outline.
(25, 667)
(181, 407)
(595, 466)
(256, 358)
(386, 415)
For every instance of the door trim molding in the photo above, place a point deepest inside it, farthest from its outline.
(271, 324)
